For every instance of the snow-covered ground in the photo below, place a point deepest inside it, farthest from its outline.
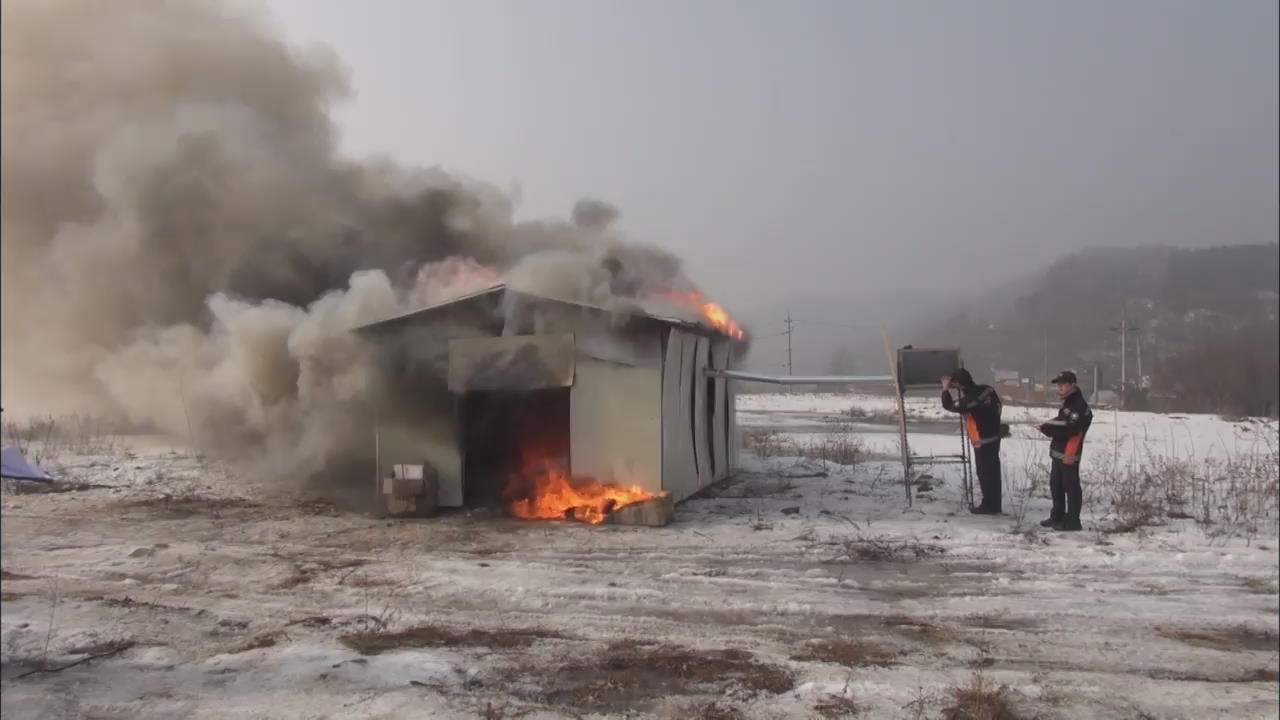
(797, 590)
(1130, 434)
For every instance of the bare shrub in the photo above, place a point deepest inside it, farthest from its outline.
(840, 446)
(48, 441)
(981, 699)
(1021, 488)
(1238, 494)
(763, 442)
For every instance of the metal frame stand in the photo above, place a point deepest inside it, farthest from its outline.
(962, 459)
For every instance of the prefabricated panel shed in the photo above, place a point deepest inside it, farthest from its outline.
(620, 394)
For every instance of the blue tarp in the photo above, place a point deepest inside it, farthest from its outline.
(16, 467)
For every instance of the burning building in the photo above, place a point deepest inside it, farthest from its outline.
(551, 408)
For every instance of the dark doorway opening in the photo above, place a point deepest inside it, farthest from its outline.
(502, 433)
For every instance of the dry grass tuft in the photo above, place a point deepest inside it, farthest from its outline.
(764, 443)
(716, 711)
(882, 548)
(981, 699)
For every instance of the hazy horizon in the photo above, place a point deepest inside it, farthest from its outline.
(833, 148)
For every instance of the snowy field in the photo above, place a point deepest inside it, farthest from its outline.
(166, 587)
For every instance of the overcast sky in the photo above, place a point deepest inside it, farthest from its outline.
(788, 147)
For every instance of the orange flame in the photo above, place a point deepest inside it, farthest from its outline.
(713, 313)
(550, 494)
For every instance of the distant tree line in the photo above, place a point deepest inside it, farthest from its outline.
(1205, 319)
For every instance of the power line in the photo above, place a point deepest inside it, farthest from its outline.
(836, 324)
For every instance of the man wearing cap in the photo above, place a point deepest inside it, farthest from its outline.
(1067, 432)
(980, 406)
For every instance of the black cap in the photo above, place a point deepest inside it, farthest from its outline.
(1066, 377)
(961, 377)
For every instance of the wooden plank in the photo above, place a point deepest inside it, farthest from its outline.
(701, 420)
(720, 413)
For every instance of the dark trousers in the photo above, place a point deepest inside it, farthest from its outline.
(1064, 487)
(986, 459)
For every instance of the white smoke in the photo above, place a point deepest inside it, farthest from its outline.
(184, 247)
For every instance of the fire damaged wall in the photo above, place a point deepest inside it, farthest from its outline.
(699, 428)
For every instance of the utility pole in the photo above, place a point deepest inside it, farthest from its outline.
(1124, 329)
(790, 370)
(1139, 340)
(1045, 358)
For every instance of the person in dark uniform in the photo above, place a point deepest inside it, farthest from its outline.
(981, 407)
(1067, 433)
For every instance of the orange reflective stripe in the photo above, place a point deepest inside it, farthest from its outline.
(972, 426)
(1072, 453)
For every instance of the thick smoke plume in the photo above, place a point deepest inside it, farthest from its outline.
(184, 247)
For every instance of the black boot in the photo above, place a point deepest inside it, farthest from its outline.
(983, 510)
(1049, 523)
(1067, 525)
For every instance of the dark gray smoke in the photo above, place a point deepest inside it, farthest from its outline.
(184, 246)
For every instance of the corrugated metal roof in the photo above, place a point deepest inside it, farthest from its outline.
(636, 309)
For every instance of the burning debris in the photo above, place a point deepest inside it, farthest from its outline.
(545, 491)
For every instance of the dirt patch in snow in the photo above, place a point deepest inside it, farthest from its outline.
(377, 642)
(181, 507)
(1000, 622)
(1236, 639)
(925, 631)
(631, 675)
(850, 653)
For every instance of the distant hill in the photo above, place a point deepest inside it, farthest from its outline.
(1063, 317)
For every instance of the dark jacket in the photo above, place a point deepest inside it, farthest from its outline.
(1068, 428)
(981, 408)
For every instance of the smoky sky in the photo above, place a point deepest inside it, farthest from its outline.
(186, 248)
(832, 147)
